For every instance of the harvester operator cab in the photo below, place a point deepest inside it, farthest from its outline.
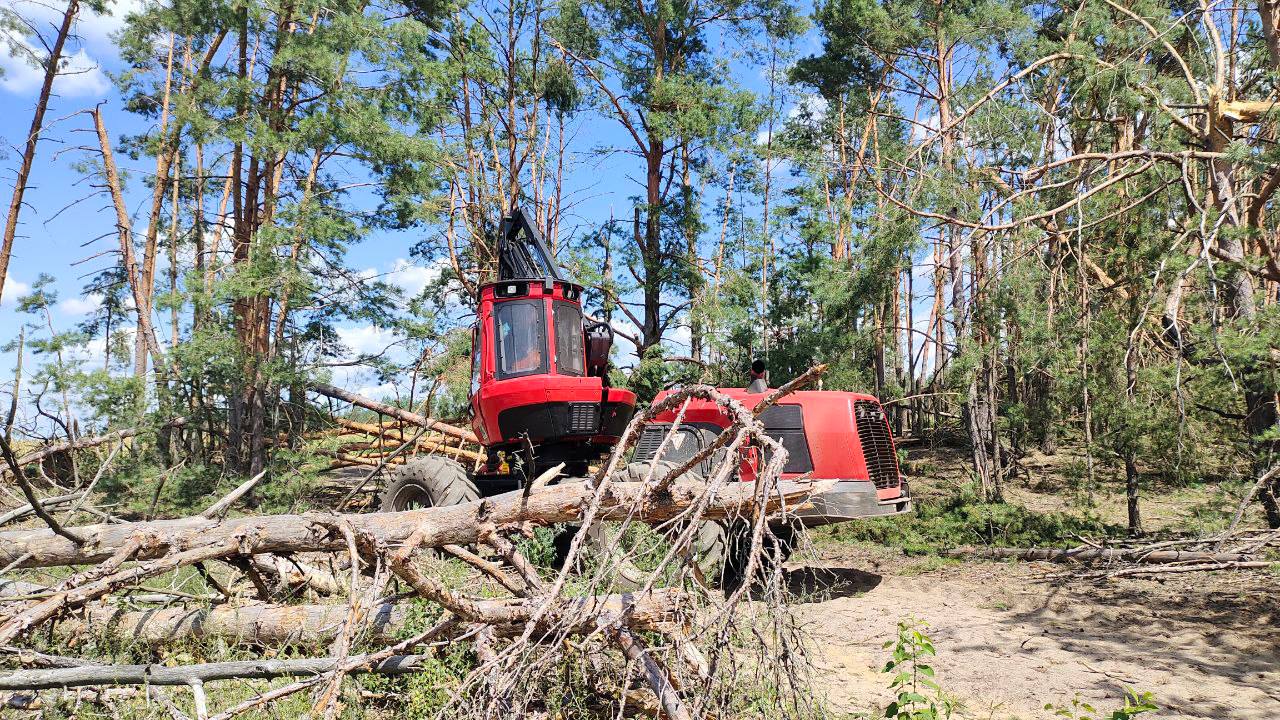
(539, 371)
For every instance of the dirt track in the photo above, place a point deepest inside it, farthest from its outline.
(1010, 641)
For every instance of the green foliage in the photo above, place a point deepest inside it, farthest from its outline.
(1135, 703)
(918, 696)
(961, 518)
(423, 694)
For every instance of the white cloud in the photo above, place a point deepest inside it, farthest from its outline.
(92, 29)
(365, 339)
(624, 351)
(80, 76)
(679, 340)
(413, 278)
(925, 129)
(13, 289)
(407, 276)
(80, 305)
(377, 392)
(94, 349)
(98, 30)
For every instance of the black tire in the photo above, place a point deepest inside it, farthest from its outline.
(777, 547)
(709, 549)
(429, 481)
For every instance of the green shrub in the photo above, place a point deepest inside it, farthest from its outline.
(917, 695)
(940, 524)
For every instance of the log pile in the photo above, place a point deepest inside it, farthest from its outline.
(670, 645)
(376, 446)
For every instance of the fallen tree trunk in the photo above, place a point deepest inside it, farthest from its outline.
(85, 675)
(408, 416)
(438, 526)
(314, 625)
(22, 511)
(1133, 555)
(82, 443)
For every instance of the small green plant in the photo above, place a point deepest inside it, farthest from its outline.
(1135, 703)
(917, 695)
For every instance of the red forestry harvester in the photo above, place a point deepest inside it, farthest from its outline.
(540, 396)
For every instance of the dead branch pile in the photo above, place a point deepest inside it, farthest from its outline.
(1230, 550)
(670, 645)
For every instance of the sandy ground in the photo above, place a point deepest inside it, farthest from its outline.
(1010, 638)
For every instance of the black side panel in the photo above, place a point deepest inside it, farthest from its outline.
(785, 423)
(690, 438)
(560, 419)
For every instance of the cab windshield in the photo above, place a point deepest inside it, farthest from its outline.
(521, 338)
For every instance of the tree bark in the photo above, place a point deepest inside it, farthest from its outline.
(438, 526)
(399, 413)
(33, 137)
(313, 625)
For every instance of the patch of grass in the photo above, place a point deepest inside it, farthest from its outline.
(960, 518)
(926, 564)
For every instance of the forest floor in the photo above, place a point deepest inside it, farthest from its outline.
(1012, 637)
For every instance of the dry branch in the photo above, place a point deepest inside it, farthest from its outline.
(220, 507)
(30, 494)
(439, 526)
(314, 625)
(82, 443)
(1136, 555)
(20, 512)
(184, 674)
(399, 413)
(292, 573)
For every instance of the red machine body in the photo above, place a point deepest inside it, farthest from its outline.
(539, 371)
(828, 435)
(530, 374)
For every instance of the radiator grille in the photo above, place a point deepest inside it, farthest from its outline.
(877, 444)
(682, 446)
(650, 439)
(584, 418)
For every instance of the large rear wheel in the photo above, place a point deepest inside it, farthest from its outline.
(430, 481)
(775, 548)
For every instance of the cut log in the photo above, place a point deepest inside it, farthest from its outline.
(54, 678)
(315, 625)
(293, 573)
(408, 416)
(438, 526)
(1133, 555)
(396, 434)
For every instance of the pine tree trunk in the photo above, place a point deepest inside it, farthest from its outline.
(33, 137)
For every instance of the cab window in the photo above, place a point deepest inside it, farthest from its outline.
(569, 356)
(475, 359)
(518, 326)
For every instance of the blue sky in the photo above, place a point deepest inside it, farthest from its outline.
(66, 220)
